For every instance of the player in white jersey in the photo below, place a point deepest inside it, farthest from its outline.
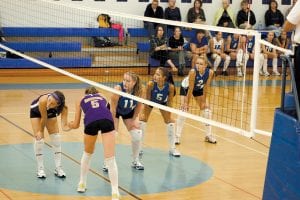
(269, 52)
(216, 45)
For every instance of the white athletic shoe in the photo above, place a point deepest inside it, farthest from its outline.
(41, 173)
(81, 187)
(239, 74)
(266, 73)
(104, 168)
(174, 152)
(210, 139)
(177, 140)
(275, 73)
(137, 165)
(59, 172)
(115, 196)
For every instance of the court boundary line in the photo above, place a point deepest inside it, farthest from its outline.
(6, 195)
(73, 159)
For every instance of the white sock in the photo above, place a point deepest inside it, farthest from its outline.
(217, 62)
(85, 166)
(56, 146)
(206, 113)
(265, 65)
(239, 57)
(171, 135)
(179, 125)
(274, 64)
(136, 140)
(113, 174)
(38, 150)
(226, 63)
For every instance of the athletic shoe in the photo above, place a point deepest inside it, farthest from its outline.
(41, 173)
(275, 73)
(239, 74)
(115, 196)
(261, 72)
(177, 140)
(174, 152)
(104, 168)
(81, 187)
(266, 74)
(137, 165)
(210, 139)
(59, 173)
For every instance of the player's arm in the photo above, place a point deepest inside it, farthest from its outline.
(64, 119)
(171, 95)
(113, 106)
(207, 84)
(228, 44)
(211, 45)
(139, 105)
(75, 124)
(149, 89)
(192, 75)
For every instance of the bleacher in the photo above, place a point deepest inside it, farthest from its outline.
(36, 39)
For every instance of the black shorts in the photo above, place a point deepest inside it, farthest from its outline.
(126, 116)
(164, 104)
(196, 93)
(103, 125)
(51, 113)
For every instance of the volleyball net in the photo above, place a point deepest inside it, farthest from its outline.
(43, 31)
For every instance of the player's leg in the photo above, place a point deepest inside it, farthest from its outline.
(143, 123)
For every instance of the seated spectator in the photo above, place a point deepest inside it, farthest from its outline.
(290, 8)
(216, 45)
(105, 22)
(269, 52)
(274, 18)
(176, 49)
(243, 16)
(196, 13)
(198, 46)
(224, 16)
(283, 41)
(155, 11)
(159, 48)
(247, 48)
(172, 13)
(233, 48)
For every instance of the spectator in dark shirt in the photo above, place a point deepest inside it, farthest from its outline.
(172, 13)
(159, 48)
(155, 11)
(196, 13)
(243, 16)
(176, 42)
(274, 18)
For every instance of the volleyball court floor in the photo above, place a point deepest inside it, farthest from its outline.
(234, 168)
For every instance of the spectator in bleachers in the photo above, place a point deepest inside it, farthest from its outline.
(283, 41)
(290, 8)
(216, 45)
(176, 43)
(198, 46)
(159, 48)
(196, 13)
(269, 52)
(273, 17)
(172, 13)
(155, 11)
(224, 16)
(247, 49)
(243, 16)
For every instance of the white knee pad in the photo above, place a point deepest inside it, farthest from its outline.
(136, 135)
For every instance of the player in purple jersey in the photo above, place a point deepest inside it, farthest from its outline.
(43, 114)
(97, 119)
(161, 90)
(197, 83)
(129, 110)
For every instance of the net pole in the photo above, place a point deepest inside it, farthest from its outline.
(255, 83)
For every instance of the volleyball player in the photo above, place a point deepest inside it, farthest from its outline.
(43, 114)
(129, 110)
(161, 90)
(97, 119)
(197, 83)
(217, 53)
(233, 48)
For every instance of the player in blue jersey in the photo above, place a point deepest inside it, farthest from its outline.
(43, 114)
(196, 84)
(161, 90)
(247, 48)
(97, 119)
(129, 110)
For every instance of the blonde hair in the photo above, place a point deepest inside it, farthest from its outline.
(91, 90)
(137, 88)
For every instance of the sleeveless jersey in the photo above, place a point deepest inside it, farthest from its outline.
(217, 44)
(201, 79)
(125, 105)
(250, 45)
(35, 106)
(94, 106)
(160, 95)
(268, 48)
(234, 43)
